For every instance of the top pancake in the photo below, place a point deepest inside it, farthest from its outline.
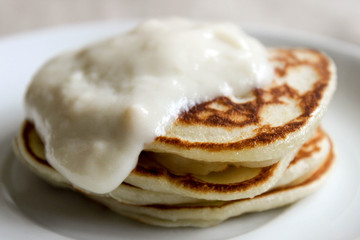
(265, 124)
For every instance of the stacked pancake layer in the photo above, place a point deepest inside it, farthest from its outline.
(228, 156)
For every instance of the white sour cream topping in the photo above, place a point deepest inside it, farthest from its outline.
(96, 108)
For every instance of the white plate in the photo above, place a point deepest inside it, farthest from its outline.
(30, 209)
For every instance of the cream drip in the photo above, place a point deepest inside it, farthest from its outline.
(97, 107)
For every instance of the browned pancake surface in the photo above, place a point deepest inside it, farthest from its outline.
(325, 167)
(225, 113)
(310, 147)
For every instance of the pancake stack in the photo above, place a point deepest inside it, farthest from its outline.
(227, 156)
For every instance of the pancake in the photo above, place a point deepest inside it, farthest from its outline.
(307, 161)
(166, 209)
(226, 156)
(232, 183)
(206, 215)
(264, 125)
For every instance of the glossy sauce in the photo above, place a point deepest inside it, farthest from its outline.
(95, 108)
